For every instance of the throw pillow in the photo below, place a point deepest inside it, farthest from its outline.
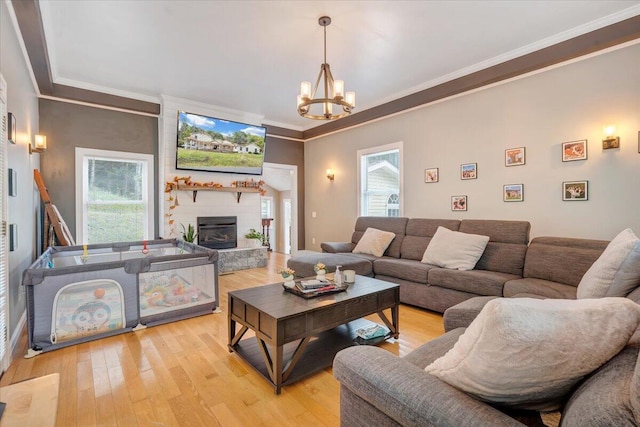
(374, 242)
(528, 353)
(616, 272)
(455, 250)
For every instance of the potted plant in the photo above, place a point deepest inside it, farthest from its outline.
(255, 237)
(320, 270)
(189, 234)
(288, 276)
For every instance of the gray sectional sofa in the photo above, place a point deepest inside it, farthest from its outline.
(379, 388)
(422, 284)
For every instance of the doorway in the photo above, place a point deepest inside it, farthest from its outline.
(284, 179)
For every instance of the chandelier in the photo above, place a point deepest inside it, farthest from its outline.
(322, 108)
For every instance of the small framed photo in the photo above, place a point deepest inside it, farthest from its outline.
(513, 193)
(574, 150)
(469, 171)
(458, 203)
(514, 156)
(13, 182)
(575, 190)
(431, 175)
(11, 128)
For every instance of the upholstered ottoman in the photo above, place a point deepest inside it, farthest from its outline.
(461, 315)
(303, 264)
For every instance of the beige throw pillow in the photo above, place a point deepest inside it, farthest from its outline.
(616, 272)
(454, 250)
(528, 353)
(374, 242)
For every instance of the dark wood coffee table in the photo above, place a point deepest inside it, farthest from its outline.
(296, 337)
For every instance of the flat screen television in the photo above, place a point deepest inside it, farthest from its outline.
(217, 145)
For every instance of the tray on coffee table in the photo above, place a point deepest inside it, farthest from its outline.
(316, 292)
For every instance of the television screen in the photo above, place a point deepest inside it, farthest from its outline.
(216, 145)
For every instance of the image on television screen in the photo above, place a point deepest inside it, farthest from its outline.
(217, 145)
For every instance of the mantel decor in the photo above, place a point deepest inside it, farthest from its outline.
(334, 95)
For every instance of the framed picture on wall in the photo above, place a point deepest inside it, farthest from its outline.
(458, 203)
(13, 182)
(574, 150)
(469, 171)
(575, 190)
(11, 128)
(513, 193)
(431, 175)
(514, 156)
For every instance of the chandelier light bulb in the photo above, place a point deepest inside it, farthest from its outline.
(338, 88)
(351, 99)
(305, 89)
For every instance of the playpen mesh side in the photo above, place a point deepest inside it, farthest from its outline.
(41, 296)
(174, 290)
(87, 308)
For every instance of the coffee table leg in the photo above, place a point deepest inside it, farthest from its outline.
(393, 324)
(274, 365)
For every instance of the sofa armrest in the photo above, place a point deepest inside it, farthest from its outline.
(408, 394)
(337, 247)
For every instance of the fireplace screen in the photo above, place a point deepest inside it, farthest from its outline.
(217, 232)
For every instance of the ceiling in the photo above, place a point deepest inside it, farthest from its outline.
(251, 56)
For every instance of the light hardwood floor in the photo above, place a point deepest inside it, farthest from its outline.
(181, 373)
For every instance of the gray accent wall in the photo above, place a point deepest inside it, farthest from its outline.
(288, 152)
(68, 126)
(22, 101)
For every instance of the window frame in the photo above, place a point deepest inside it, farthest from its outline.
(380, 149)
(81, 194)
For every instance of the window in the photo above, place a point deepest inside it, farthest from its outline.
(114, 196)
(380, 185)
(393, 205)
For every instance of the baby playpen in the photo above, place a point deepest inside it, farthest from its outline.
(80, 293)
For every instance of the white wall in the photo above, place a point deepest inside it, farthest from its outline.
(208, 203)
(23, 209)
(539, 112)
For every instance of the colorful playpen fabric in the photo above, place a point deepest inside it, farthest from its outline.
(87, 308)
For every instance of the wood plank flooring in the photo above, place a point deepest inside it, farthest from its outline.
(181, 373)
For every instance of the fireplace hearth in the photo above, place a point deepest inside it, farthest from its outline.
(217, 232)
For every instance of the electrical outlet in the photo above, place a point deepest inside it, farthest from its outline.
(313, 240)
(313, 214)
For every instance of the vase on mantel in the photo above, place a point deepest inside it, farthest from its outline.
(320, 274)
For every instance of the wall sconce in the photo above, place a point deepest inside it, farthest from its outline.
(609, 140)
(330, 175)
(39, 144)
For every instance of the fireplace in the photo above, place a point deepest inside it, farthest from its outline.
(217, 232)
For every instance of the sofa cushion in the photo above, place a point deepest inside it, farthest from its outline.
(539, 287)
(419, 233)
(478, 282)
(604, 399)
(616, 272)
(507, 245)
(528, 353)
(451, 249)
(561, 259)
(396, 225)
(374, 242)
(405, 269)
